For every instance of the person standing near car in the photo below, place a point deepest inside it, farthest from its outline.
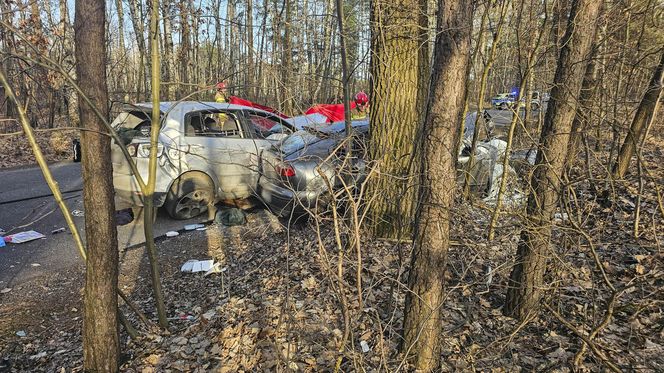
(221, 96)
(335, 112)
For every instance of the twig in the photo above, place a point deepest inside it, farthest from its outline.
(605, 359)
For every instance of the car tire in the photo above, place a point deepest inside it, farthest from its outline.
(189, 196)
(534, 106)
(503, 106)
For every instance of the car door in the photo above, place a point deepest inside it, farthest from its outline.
(217, 145)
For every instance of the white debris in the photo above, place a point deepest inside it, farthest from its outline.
(365, 346)
(22, 237)
(172, 234)
(194, 265)
(191, 227)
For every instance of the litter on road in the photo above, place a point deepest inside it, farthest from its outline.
(22, 237)
(2, 242)
(78, 213)
(172, 234)
(21, 333)
(59, 230)
(191, 227)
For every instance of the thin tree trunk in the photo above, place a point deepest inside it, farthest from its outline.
(527, 277)
(122, 53)
(169, 71)
(101, 347)
(422, 320)
(148, 199)
(287, 60)
(644, 115)
(139, 31)
(583, 111)
(251, 84)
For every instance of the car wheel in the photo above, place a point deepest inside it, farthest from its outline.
(189, 196)
(535, 106)
(503, 106)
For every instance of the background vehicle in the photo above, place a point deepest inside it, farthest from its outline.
(206, 152)
(503, 101)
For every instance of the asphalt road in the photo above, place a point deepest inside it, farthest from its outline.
(26, 204)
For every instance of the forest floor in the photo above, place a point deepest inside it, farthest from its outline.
(277, 303)
(55, 145)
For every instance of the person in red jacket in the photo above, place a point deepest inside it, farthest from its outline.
(335, 112)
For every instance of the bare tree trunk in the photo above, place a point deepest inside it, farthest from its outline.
(251, 89)
(527, 277)
(185, 47)
(287, 59)
(169, 71)
(139, 30)
(583, 110)
(396, 73)
(148, 195)
(124, 84)
(644, 115)
(101, 346)
(422, 318)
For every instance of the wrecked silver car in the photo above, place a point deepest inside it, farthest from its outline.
(206, 152)
(299, 172)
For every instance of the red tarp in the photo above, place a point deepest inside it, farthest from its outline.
(240, 101)
(333, 112)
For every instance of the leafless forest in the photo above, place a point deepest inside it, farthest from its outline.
(548, 260)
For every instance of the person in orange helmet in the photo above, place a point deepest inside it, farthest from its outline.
(221, 95)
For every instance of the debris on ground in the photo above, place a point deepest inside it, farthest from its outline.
(23, 237)
(78, 213)
(172, 234)
(230, 217)
(59, 230)
(207, 266)
(124, 217)
(191, 227)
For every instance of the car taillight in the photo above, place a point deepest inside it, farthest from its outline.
(285, 169)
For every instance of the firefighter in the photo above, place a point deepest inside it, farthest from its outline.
(221, 95)
(361, 106)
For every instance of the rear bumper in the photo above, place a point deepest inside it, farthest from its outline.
(285, 202)
(127, 190)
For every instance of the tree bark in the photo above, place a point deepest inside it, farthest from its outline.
(438, 184)
(169, 68)
(251, 89)
(139, 31)
(100, 328)
(396, 78)
(644, 115)
(527, 278)
(287, 59)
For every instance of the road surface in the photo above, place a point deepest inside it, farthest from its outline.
(26, 204)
